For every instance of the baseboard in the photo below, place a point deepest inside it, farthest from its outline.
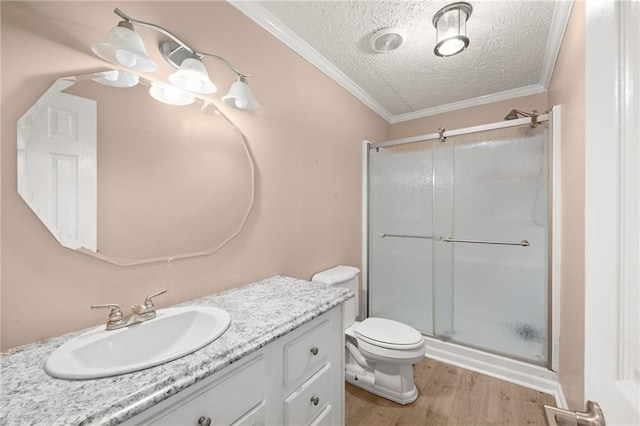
(561, 402)
(513, 371)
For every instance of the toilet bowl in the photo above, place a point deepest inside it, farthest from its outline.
(379, 352)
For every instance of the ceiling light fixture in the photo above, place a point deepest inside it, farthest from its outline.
(451, 29)
(125, 47)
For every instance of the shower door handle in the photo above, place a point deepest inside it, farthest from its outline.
(523, 243)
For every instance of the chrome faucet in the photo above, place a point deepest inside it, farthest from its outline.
(139, 313)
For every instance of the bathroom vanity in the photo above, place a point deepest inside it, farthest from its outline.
(280, 362)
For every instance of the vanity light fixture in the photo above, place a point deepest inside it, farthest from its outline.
(117, 78)
(451, 29)
(193, 76)
(124, 47)
(240, 95)
(168, 94)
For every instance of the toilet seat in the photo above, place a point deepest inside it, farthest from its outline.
(389, 334)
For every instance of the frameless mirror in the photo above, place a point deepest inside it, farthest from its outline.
(114, 173)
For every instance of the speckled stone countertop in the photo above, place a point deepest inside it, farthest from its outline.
(260, 313)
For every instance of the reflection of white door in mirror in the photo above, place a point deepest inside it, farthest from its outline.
(57, 166)
(170, 182)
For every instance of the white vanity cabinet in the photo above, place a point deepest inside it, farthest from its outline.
(297, 379)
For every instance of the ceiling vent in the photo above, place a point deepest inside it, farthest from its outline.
(387, 39)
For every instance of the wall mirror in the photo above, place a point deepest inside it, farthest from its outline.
(116, 174)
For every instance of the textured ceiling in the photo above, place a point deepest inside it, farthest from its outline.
(512, 47)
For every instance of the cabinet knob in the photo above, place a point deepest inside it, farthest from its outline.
(314, 350)
(315, 400)
(204, 421)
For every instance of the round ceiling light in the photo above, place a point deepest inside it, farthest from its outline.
(387, 39)
(451, 28)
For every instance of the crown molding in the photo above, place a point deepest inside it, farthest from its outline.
(257, 13)
(261, 16)
(561, 14)
(468, 103)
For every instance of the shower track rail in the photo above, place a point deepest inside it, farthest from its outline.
(523, 243)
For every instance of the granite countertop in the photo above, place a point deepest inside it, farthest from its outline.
(260, 313)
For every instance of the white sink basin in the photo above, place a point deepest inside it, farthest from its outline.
(174, 333)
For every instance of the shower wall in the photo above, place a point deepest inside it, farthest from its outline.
(441, 207)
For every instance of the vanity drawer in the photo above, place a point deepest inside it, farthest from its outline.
(255, 417)
(219, 400)
(323, 419)
(307, 354)
(310, 399)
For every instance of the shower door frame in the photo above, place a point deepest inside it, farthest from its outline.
(554, 215)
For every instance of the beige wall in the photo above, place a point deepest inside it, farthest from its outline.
(468, 117)
(305, 140)
(568, 89)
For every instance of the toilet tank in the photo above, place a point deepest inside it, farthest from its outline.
(347, 277)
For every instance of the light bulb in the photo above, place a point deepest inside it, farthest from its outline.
(125, 58)
(451, 47)
(172, 93)
(111, 75)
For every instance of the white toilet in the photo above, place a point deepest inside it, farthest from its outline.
(380, 353)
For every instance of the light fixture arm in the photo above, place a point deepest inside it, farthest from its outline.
(182, 44)
(224, 61)
(155, 27)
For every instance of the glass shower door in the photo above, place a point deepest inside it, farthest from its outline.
(447, 221)
(400, 217)
(498, 195)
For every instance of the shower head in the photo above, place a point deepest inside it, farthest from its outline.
(515, 114)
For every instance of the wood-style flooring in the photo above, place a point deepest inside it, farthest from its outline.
(449, 395)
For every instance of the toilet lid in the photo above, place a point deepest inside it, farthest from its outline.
(388, 333)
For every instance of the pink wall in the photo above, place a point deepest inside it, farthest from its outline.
(305, 140)
(568, 89)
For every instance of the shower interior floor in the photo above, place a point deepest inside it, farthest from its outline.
(450, 395)
(520, 341)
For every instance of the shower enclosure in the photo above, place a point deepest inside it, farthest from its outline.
(459, 238)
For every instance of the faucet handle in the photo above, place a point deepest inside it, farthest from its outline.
(115, 315)
(148, 302)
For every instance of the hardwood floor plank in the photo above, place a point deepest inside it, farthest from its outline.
(450, 396)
